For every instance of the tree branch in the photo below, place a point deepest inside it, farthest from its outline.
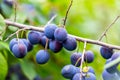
(41, 29)
(104, 33)
(65, 19)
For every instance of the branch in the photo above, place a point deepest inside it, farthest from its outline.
(24, 26)
(41, 29)
(67, 13)
(104, 33)
(15, 10)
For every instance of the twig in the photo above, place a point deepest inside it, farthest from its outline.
(82, 59)
(41, 29)
(67, 13)
(24, 26)
(15, 10)
(15, 33)
(51, 19)
(104, 33)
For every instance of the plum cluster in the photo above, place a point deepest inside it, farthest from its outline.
(59, 38)
(112, 72)
(20, 47)
(73, 72)
(53, 38)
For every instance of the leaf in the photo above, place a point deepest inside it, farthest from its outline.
(3, 67)
(2, 23)
(6, 10)
(4, 45)
(28, 69)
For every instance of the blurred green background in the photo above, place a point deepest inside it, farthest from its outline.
(87, 18)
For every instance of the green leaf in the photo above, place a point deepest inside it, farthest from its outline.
(28, 69)
(6, 10)
(4, 45)
(2, 23)
(3, 67)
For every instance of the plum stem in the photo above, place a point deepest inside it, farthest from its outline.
(17, 32)
(82, 58)
(46, 45)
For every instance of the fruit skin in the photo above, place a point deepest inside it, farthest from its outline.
(19, 50)
(78, 70)
(90, 76)
(74, 57)
(91, 70)
(49, 30)
(43, 41)
(108, 76)
(115, 56)
(13, 42)
(112, 69)
(34, 37)
(87, 76)
(70, 43)
(89, 56)
(68, 71)
(37, 77)
(42, 57)
(55, 46)
(78, 77)
(60, 34)
(106, 52)
(28, 44)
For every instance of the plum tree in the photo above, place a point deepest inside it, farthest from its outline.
(58, 38)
